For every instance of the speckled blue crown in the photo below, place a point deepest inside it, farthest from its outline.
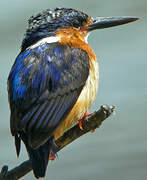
(58, 17)
(49, 21)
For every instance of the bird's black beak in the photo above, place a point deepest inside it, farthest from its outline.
(106, 22)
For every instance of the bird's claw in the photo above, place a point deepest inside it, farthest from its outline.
(80, 120)
(53, 156)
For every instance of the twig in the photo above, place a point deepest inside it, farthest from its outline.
(91, 122)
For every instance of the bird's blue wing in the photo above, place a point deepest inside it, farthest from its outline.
(43, 86)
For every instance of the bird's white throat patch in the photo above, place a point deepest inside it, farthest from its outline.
(86, 38)
(48, 40)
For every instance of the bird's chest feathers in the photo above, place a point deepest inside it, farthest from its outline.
(87, 95)
(84, 101)
(89, 91)
(76, 38)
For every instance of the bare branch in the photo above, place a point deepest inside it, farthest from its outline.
(91, 122)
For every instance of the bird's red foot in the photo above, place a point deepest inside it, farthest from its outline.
(52, 156)
(80, 120)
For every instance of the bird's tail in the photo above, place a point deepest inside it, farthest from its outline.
(39, 157)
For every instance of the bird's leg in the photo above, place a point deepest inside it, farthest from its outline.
(52, 156)
(80, 120)
(53, 153)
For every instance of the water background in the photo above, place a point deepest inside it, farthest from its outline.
(118, 150)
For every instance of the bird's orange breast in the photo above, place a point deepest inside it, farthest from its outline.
(89, 91)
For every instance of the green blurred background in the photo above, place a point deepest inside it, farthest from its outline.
(118, 150)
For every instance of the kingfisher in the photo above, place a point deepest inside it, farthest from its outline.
(53, 80)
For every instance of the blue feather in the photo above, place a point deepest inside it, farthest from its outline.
(39, 49)
(58, 52)
(37, 114)
(39, 157)
(28, 116)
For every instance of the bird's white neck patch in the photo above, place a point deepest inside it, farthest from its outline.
(86, 38)
(47, 40)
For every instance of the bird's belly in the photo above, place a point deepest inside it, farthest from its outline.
(84, 101)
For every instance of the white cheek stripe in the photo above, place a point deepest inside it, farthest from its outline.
(51, 39)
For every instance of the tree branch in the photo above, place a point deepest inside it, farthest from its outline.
(90, 123)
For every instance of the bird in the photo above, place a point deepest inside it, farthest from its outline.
(53, 80)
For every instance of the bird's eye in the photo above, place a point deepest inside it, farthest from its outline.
(76, 23)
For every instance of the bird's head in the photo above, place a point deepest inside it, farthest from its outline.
(67, 23)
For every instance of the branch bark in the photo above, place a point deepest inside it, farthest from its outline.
(90, 123)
